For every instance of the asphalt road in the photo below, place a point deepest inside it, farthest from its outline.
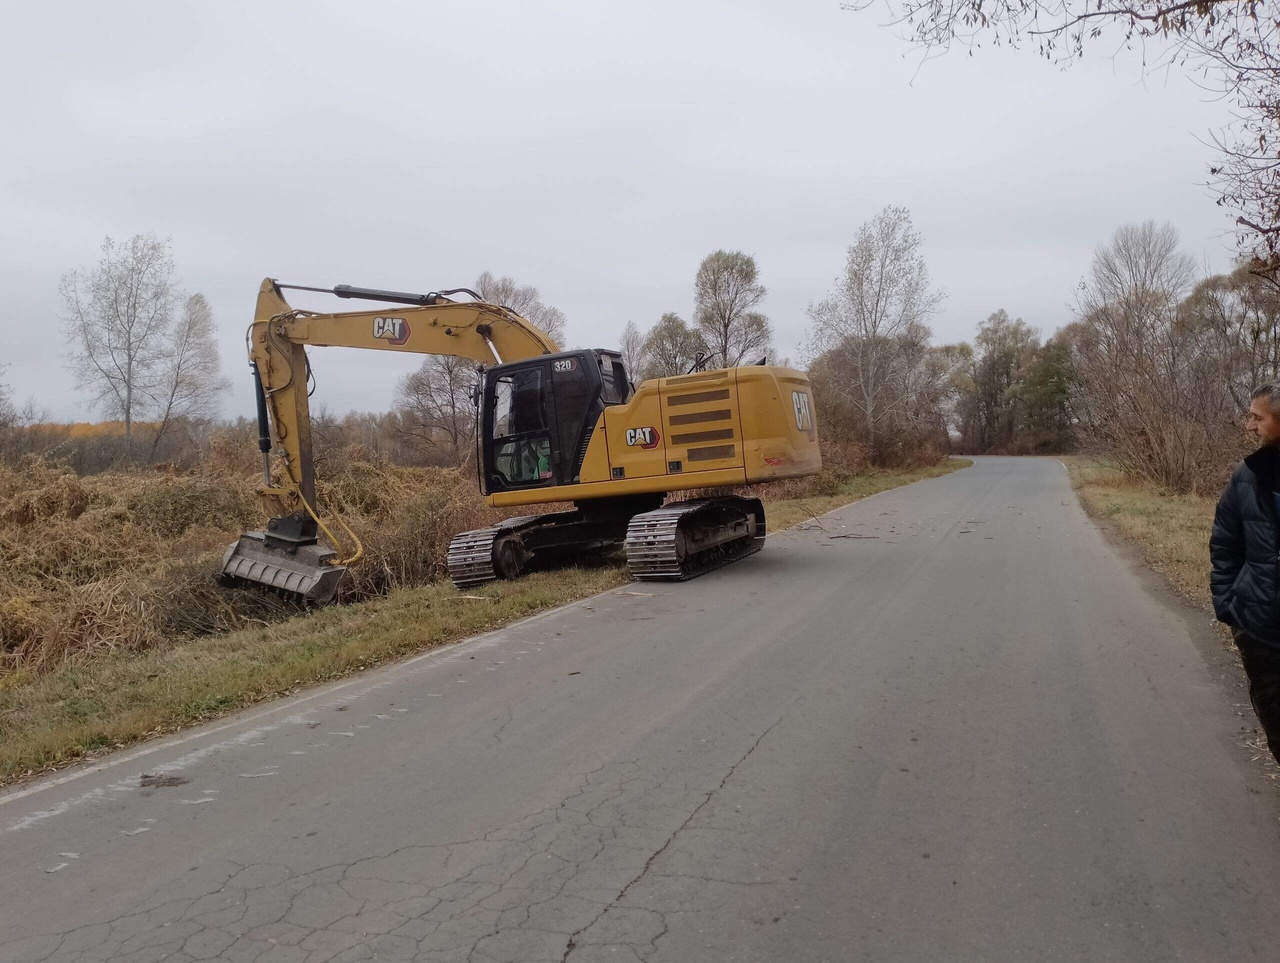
(950, 722)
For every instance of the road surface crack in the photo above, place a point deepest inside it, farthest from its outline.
(572, 943)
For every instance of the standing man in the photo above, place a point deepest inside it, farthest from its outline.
(1244, 550)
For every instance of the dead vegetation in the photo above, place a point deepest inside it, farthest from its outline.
(125, 561)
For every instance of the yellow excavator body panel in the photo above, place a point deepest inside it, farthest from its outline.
(595, 463)
(734, 426)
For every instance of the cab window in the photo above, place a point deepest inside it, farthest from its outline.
(520, 439)
(614, 386)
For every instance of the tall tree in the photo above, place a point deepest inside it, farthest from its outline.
(1050, 389)
(671, 347)
(633, 351)
(956, 388)
(1004, 352)
(726, 291)
(1153, 384)
(188, 377)
(874, 320)
(8, 414)
(524, 300)
(1240, 313)
(436, 408)
(140, 347)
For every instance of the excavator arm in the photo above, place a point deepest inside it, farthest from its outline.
(419, 324)
(286, 555)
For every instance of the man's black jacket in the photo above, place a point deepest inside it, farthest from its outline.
(1244, 548)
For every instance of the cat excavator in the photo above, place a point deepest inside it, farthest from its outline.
(552, 426)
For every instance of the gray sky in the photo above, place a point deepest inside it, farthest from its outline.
(595, 150)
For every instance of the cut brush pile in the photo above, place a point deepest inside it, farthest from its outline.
(127, 561)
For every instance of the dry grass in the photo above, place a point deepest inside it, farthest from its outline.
(124, 561)
(113, 694)
(1171, 531)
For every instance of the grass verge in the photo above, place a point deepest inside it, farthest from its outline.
(91, 706)
(1171, 531)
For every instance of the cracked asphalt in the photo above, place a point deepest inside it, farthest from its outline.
(977, 731)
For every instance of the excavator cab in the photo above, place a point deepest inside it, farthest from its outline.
(538, 416)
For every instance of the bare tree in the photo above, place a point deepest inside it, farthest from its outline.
(954, 364)
(1154, 380)
(634, 355)
(873, 322)
(1241, 313)
(436, 408)
(188, 375)
(525, 301)
(142, 347)
(725, 291)
(118, 318)
(925, 374)
(8, 414)
(671, 347)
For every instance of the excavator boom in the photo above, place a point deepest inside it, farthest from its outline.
(287, 556)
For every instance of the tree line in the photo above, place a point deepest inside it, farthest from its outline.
(1153, 371)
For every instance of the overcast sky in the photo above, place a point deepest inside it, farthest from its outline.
(595, 150)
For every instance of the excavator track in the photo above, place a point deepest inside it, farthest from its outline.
(512, 547)
(684, 540)
(471, 557)
(675, 542)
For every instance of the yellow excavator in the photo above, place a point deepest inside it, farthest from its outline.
(552, 426)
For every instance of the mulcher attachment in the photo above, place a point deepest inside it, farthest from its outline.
(287, 558)
(308, 573)
(687, 539)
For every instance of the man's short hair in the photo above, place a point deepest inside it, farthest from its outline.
(1270, 391)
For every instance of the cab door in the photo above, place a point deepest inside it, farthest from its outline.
(519, 424)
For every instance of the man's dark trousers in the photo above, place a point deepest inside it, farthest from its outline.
(1262, 666)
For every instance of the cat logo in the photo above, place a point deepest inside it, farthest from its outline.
(391, 330)
(804, 416)
(643, 437)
